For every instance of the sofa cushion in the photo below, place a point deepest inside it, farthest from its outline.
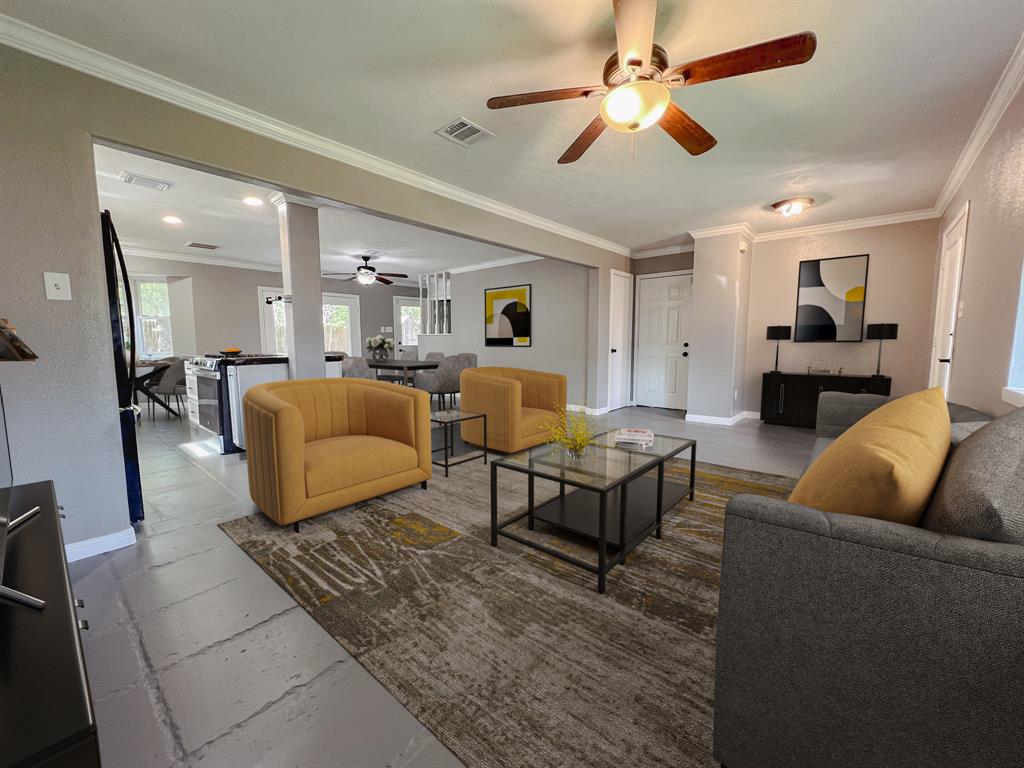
(886, 465)
(535, 420)
(340, 462)
(981, 494)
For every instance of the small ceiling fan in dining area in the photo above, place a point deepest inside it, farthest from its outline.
(367, 275)
(637, 80)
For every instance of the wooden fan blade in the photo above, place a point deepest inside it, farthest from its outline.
(399, 275)
(583, 141)
(338, 274)
(384, 280)
(634, 31)
(783, 52)
(686, 131)
(539, 97)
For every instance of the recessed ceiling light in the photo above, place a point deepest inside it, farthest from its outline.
(172, 220)
(794, 206)
(255, 202)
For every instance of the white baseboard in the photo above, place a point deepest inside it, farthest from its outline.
(80, 550)
(587, 410)
(751, 415)
(1013, 396)
(721, 421)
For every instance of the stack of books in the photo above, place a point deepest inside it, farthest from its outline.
(632, 437)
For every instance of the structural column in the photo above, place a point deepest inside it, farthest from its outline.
(300, 268)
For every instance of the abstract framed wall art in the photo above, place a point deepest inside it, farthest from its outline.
(830, 299)
(507, 319)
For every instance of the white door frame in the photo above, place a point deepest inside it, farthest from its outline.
(940, 299)
(636, 322)
(627, 336)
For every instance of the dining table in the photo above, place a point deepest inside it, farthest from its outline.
(147, 372)
(404, 366)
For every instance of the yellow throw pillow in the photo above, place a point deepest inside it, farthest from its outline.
(886, 465)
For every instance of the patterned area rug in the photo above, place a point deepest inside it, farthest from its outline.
(508, 655)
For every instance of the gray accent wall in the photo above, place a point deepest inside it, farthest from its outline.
(225, 301)
(560, 298)
(993, 260)
(900, 290)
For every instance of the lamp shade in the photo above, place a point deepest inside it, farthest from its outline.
(779, 332)
(11, 347)
(876, 331)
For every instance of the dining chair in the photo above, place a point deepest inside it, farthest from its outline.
(355, 368)
(434, 357)
(171, 383)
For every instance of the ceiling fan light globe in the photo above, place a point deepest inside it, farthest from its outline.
(366, 278)
(635, 105)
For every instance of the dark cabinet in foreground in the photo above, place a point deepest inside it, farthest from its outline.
(792, 398)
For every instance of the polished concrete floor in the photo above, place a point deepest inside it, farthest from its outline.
(197, 658)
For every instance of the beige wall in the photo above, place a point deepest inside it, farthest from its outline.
(226, 306)
(560, 297)
(61, 411)
(669, 263)
(993, 259)
(900, 290)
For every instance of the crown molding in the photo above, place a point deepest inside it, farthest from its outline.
(154, 253)
(493, 264)
(1005, 90)
(743, 229)
(671, 250)
(841, 226)
(39, 42)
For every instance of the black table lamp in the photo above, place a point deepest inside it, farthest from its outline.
(778, 333)
(881, 331)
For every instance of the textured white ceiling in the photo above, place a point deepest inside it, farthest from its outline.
(212, 211)
(872, 125)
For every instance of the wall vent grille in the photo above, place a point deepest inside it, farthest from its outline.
(463, 132)
(149, 182)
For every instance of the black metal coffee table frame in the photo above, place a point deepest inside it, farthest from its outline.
(580, 518)
(447, 425)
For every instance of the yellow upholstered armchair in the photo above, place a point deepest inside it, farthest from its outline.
(517, 403)
(320, 444)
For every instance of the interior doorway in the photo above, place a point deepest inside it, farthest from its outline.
(620, 333)
(662, 348)
(947, 305)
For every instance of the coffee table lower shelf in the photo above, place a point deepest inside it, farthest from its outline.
(626, 513)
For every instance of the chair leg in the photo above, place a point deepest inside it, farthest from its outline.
(295, 526)
(423, 485)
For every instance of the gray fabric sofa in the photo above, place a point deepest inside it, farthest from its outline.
(849, 642)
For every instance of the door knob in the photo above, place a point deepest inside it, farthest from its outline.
(614, 349)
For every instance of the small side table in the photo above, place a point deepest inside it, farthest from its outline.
(448, 420)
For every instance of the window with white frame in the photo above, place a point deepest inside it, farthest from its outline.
(340, 319)
(1017, 359)
(152, 306)
(407, 320)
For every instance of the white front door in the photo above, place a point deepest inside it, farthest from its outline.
(947, 302)
(619, 338)
(663, 351)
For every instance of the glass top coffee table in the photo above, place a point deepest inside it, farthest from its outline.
(616, 503)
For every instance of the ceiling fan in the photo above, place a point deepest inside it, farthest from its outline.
(638, 78)
(366, 274)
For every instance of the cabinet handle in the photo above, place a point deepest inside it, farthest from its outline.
(782, 396)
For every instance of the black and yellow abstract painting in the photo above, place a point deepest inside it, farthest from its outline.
(507, 316)
(830, 299)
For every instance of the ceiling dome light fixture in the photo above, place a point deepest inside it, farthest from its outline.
(794, 206)
(366, 278)
(171, 220)
(252, 201)
(635, 105)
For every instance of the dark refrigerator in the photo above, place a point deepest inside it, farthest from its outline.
(122, 332)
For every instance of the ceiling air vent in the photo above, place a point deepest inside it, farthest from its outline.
(203, 246)
(463, 132)
(130, 177)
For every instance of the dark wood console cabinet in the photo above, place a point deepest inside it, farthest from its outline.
(792, 398)
(46, 715)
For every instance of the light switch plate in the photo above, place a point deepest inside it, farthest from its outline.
(58, 285)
